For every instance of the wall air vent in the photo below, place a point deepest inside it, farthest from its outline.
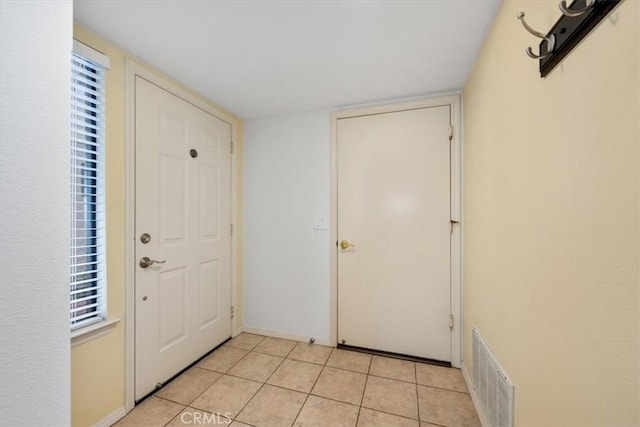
(491, 385)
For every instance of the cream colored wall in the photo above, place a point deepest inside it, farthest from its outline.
(98, 366)
(551, 218)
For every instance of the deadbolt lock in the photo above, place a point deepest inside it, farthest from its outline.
(145, 238)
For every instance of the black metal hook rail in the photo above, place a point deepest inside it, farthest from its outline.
(575, 23)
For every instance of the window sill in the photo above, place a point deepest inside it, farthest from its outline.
(92, 332)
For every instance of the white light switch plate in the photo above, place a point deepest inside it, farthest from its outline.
(320, 222)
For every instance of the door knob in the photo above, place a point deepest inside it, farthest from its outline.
(345, 245)
(148, 262)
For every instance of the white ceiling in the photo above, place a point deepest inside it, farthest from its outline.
(262, 58)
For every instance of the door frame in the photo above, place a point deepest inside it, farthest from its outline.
(453, 101)
(133, 70)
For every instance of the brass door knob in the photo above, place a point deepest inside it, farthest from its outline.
(345, 245)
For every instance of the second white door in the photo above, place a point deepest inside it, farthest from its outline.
(394, 232)
(182, 232)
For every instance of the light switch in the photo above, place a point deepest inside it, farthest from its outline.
(320, 222)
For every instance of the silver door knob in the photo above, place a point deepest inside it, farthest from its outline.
(148, 262)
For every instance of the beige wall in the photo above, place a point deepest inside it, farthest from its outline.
(551, 211)
(98, 366)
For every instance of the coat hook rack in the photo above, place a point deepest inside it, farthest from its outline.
(577, 20)
(566, 11)
(549, 39)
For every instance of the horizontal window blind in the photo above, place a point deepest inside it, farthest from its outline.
(88, 259)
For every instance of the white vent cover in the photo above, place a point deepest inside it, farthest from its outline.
(491, 385)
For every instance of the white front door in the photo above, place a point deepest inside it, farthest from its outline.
(183, 219)
(394, 209)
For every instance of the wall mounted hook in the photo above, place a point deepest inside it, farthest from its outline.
(577, 20)
(550, 39)
(572, 13)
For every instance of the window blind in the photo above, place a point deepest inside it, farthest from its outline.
(88, 238)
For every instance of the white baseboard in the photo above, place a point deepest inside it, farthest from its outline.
(474, 398)
(283, 335)
(112, 418)
(237, 331)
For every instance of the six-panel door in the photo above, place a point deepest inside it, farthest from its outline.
(183, 201)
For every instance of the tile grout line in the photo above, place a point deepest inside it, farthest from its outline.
(370, 409)
(349, 370)
(222, 374)
(277, 367)
(277, 355)
(194, 365)
(269, 377)
(314, 384)
(444, 389)
(245, 405)
(226, 373)
(394, 379)
(399, 381)
(261, 382)
(360, 407)
(336, 400)
(261, 385)
(242, 358)
(392, 414)
(172, 401)
(415, 371)
(365, 388)
(175, 416)
(233, 365)
(203, 391)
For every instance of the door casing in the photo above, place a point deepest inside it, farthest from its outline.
(133, 69)
(453, 101)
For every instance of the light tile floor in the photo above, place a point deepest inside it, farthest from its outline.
(261, 381)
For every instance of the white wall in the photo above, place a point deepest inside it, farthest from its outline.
(286, 262)
(35, 75)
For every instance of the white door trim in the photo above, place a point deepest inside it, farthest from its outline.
(453, 102)
(133, 69)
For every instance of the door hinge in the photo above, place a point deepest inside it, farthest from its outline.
(232, 312)
(451, 321)
(450, 133)
(452, 223)
(231, 144)
(231, 230)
